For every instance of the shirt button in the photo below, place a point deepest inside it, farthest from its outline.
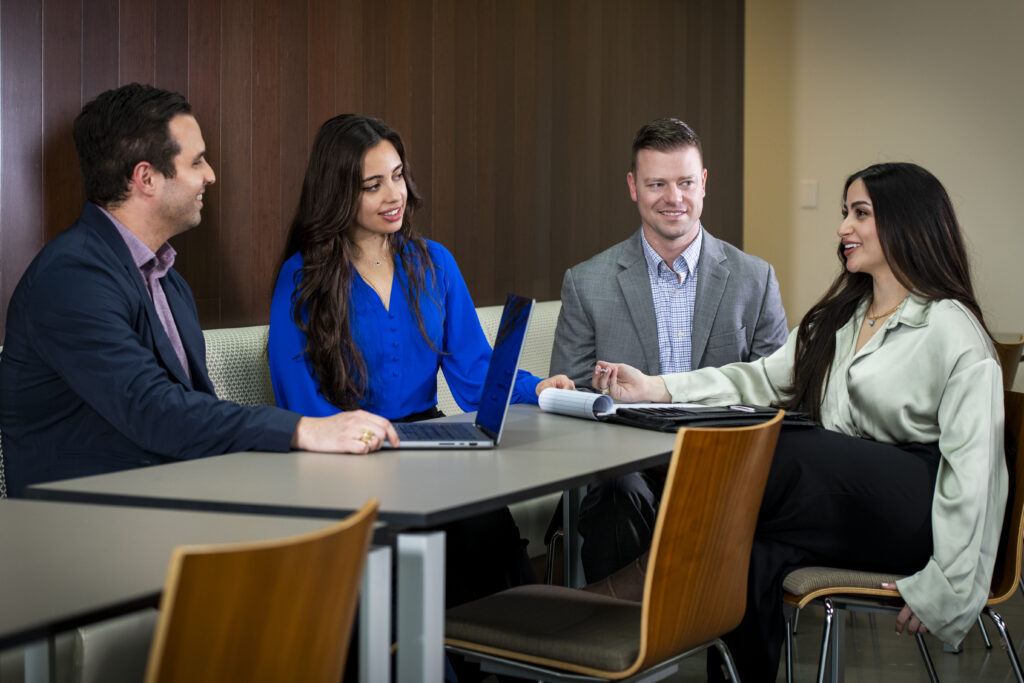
(394, 345)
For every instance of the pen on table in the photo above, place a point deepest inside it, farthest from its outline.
(743, 409)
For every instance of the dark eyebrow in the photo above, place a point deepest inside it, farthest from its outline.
(199, 156)
(380, 177)
(861, 202)
(659, 179)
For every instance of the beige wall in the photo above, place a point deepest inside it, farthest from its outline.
(832, 87)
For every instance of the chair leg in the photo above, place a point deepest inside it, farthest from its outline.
(984, 633)
(826, 634)
(796, 619)
(730, 666)
(923, 647)
(549, 569)
(1011, 651)
(789, 650)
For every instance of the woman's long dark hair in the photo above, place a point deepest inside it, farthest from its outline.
(321, 232)
(923, 245)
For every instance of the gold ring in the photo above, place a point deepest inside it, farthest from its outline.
(604, 391)
(367, 436)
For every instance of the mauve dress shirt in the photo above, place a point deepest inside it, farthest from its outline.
(152, 267)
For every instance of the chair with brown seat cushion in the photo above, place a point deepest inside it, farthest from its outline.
(861, 591)
(694, 591)
(276, 610)
(1009, 348)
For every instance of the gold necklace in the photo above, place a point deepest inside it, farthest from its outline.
(872, 319)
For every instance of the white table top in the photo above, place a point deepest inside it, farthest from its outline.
(64, 565)
(539, 453)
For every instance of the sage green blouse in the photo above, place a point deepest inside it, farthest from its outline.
(929, 375)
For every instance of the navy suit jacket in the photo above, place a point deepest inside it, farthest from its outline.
(89, 381)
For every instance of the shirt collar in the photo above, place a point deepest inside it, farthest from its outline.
(690, 255)
(145, 260)
(914, 311)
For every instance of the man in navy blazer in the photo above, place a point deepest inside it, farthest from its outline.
(104, 363)
(671, 298)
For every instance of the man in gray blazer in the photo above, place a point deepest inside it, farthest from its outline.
(671, 298)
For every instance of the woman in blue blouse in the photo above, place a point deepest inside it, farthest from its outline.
(365, 312)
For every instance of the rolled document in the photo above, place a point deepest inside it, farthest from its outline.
(575, 403)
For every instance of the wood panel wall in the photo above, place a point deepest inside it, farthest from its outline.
(517, 116)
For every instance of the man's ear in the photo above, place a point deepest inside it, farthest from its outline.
(631, 182)
(145, 178)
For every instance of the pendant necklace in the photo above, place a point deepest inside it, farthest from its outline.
(872, 319)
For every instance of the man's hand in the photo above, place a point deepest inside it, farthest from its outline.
(353, 431)
(625, 383)
(555, 382)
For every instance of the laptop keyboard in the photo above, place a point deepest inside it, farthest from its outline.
(443, 431)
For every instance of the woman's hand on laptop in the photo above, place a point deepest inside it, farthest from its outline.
(556, 382)
(627, 384)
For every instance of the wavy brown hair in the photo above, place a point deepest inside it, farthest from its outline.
(924, 247)
(321, 232)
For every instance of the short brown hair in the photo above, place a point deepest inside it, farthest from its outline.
(665, 135)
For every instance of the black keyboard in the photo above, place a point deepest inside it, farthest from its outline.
(438, 431)
(671, 418)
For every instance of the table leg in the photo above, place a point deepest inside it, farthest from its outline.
(375, 617)
(421, 607)
(571, 544)
(37, 662)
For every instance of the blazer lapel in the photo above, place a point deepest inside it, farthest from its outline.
(92, 215)
(636, 290)
(712, 277)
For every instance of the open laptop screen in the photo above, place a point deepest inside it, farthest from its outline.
(501, 373)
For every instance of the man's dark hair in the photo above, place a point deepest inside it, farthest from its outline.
(665, 135)
(120, 128)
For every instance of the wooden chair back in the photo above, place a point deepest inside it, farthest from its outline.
(1006, 572)
(1009, 353)
(279, 610)
(696, 583)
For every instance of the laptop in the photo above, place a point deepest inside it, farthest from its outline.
(485, 431)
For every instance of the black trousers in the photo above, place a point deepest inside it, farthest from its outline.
(616, 522)
(483, 554)
(832, 500)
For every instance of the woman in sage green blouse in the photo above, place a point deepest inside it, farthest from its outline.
(906, 473)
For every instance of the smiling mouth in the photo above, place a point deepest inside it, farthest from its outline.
(847, 246)
(392, 212)
(672, 214)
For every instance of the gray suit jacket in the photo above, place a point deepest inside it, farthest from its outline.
(608, 311)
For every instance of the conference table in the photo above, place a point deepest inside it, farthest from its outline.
(540, 453)
(68, 565)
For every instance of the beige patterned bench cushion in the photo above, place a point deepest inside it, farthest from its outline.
(536, 354)
(236, 358)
